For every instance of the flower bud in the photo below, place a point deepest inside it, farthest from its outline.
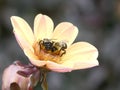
(12, 80)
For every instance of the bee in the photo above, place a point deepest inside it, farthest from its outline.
(50, 46)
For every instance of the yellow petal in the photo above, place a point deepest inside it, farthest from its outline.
(22, 42)
(38, 63)
(21, 28)
(30, 54)
(57, 67)
(33, 58)
(65, 32)
(43, 26)
(80, 55)
(77, 64)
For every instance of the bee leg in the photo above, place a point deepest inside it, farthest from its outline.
(40, 44)
(64, 51)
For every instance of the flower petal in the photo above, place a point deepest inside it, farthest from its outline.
(80, 55)
(30, 54)
(21, 27)
(33, 58)
(65, 32)
(43, 26)
(22, 42)
(49, 64)
(57, 67)
(77, 64)
(38, 63)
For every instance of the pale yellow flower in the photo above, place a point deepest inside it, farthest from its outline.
(79, 55)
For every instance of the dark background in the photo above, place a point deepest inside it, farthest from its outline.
(99, 24)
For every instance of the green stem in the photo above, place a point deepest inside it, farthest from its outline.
(44, 83)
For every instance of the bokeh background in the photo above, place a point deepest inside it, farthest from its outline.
(99, 24)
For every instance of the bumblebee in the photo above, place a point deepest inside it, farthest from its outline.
(52, 47)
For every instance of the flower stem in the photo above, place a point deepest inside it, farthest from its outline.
(44, 83)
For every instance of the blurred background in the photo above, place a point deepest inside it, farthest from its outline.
(99, 24)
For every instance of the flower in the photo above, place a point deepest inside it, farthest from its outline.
(12, 80)
(79, 55)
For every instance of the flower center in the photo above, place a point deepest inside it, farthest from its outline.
(48, 49)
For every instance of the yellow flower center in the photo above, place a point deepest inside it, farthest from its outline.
(48, 49)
